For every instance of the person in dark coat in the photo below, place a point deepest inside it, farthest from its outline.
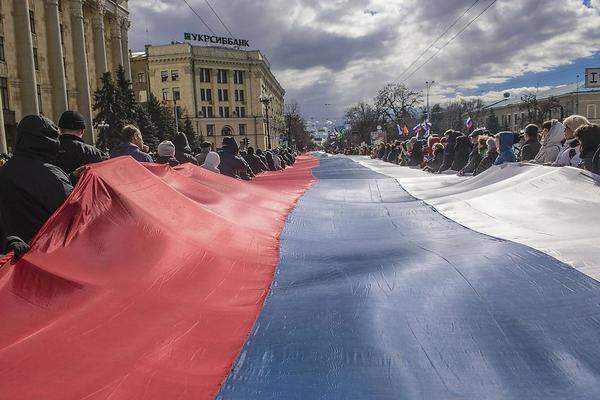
(260, 154)
(183, 152)
(490, 154)
(132, 144)
(392, 156)
(475, 157)
(255, 162)
(462, 150)
(31, 187)
(231, 163)
(205, 148)
(532, 144)
(270, 161)
(433, 165)
(242, 155)
(74, 152)
(449, 150)
(166, 154)
(589, 139)
(416, 154)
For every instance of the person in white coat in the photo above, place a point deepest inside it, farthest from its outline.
(212, 161)
(570, 152)
(552, 136)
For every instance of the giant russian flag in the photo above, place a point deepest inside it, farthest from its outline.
(326, 281)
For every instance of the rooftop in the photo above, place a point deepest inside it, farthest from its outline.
(557, 91)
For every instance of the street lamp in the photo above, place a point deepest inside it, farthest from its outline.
(428, 85)
(266, 100)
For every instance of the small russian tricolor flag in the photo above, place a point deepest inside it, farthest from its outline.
(469, 123)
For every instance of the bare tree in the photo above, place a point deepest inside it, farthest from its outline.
(398, 103)
(363, 118)
(296, 126)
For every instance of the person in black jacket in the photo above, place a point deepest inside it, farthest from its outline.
(183, 152)
(589, 139)
(475, 157)
(260, 154)
(231, 163)
(31, 188)
(255, 162)
(449, 150)
(74, 152)
(433, 165)
(532, 144)
(166, 154)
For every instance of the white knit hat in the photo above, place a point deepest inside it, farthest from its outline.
(166, 149)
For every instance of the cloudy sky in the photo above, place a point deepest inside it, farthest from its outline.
(330, 54)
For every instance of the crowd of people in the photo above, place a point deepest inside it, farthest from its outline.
(47, 162)
(573, 142)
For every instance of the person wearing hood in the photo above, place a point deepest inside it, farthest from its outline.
(570, 152)
(74, 152)
(32, 188)
(416, 154)
(475, 156)
(589, 137)
(504, 142)
(183, 152)
(263, 157)
(231, 164)
(205, 148)
(166, 154)
(489, 151)
(132, 144)
(255, 162)
(449, 150)
(532, 144)
(211, 162)
(462, 150)
(552, 136)
(433, 165)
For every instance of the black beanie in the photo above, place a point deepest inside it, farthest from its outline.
(71, 120)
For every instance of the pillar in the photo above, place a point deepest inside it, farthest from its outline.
(81, 68)
(125, 48)
(99, 43)
(117, 51)
(26, 64)
(55, 56)
(3, 145)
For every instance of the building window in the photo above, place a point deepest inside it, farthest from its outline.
(4, 94)
(2, 49)
(143, 96)
(204, 75)
(175, 75)
(238, 77)
(36, 61)
(206, 112)
(164, 76)
(224, 112)
(508, 120)
(222, 76)
(210, 130)
(240, 112)
(239, 95)
(165, 93)
(176, 94)
(591, 111)
(242, 129)
(39, 97)
(223, 94)
(62, 35)
(32, 21)
(141, 77)
(206, 95)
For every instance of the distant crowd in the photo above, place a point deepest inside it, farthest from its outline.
(47, 162)
(574, 142)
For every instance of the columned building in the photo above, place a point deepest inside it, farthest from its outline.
(220, 89)
(52, 55)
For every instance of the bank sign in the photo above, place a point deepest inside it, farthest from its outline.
(592, 78)
(227, 41)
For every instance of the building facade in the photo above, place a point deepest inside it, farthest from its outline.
(572, 99)
(53, 54)
(219, 89)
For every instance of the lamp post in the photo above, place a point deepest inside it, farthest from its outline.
(428, 85)
(266, 100)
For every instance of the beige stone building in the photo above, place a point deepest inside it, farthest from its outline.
(573, 100)
(219, 89)
(52, 55)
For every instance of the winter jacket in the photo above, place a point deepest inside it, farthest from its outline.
(129, 149)
(231, 163)
(462, 150)
(183, 152)
(551, 144)
(506, 148)
(486, 162)
(212, 162)
(449, 151)
(393, 156)
(381, 153)
(434, 164)
(530, 149)
(416, 155)
(474, 160)
(172, 161)
(201, 157)
(277, 161)
(569, 154)
(255, 162)
(31, 188)
(74, 153)
(270, 160)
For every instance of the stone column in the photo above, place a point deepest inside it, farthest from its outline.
(3, 145)
(55, 58)
(81, 68)
(117, 51)
(125, 47)
(26, 64)
(99, 42)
